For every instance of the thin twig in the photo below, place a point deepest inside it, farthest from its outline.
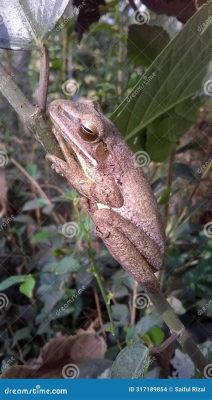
(176, 327)
(169, 185)
(37, 122)
(98, 309)
(35, 185)
(15, 96)
(133, 308)
(44, 78)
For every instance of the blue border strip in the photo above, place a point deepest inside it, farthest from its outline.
(106, 389)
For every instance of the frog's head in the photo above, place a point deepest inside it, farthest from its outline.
(83, 126)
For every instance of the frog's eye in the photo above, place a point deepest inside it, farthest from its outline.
(88, 131)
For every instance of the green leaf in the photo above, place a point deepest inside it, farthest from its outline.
(120, 314)
(175, 76)
(160, 140)
(156, 335)
(12, 280)
(33, 204)
(145, 42)
(67, 264)
(20, 334)
(131, 362)
(32, 169)
(164, 132)
(41, 236)
(165, 195)
(27, 286)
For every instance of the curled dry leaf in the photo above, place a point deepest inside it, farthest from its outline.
(58, 352)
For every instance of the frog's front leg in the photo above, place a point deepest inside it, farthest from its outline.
(117, 235)
(105, 192)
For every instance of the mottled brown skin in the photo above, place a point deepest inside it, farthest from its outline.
(102, 168)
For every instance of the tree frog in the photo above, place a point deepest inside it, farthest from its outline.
(102, 168)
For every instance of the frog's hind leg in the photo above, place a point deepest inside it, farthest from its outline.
(142, 242)
(123, 250)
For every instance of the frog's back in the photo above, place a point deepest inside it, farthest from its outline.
(140, 206)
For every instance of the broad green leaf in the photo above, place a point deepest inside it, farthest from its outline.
(25, 23)
(175, 76)
(156, 335)
(33, 204)
(67, 264)
(27, 286)
(32, 169)
(131, 362)
(12, 280)
(165, 195)
(41, 236)
(20, 334)
(120, 314)
(145, 42)
(164, 132)
(161, 139)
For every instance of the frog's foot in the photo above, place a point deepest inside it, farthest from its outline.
(87, 205)
(59, 165)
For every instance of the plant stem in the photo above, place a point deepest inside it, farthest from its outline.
(175, 325)
(37, 122)
(95, 271)
(15, 96)
(169, 185)
(44, 78)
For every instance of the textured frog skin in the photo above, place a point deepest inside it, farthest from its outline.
(118, 196)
